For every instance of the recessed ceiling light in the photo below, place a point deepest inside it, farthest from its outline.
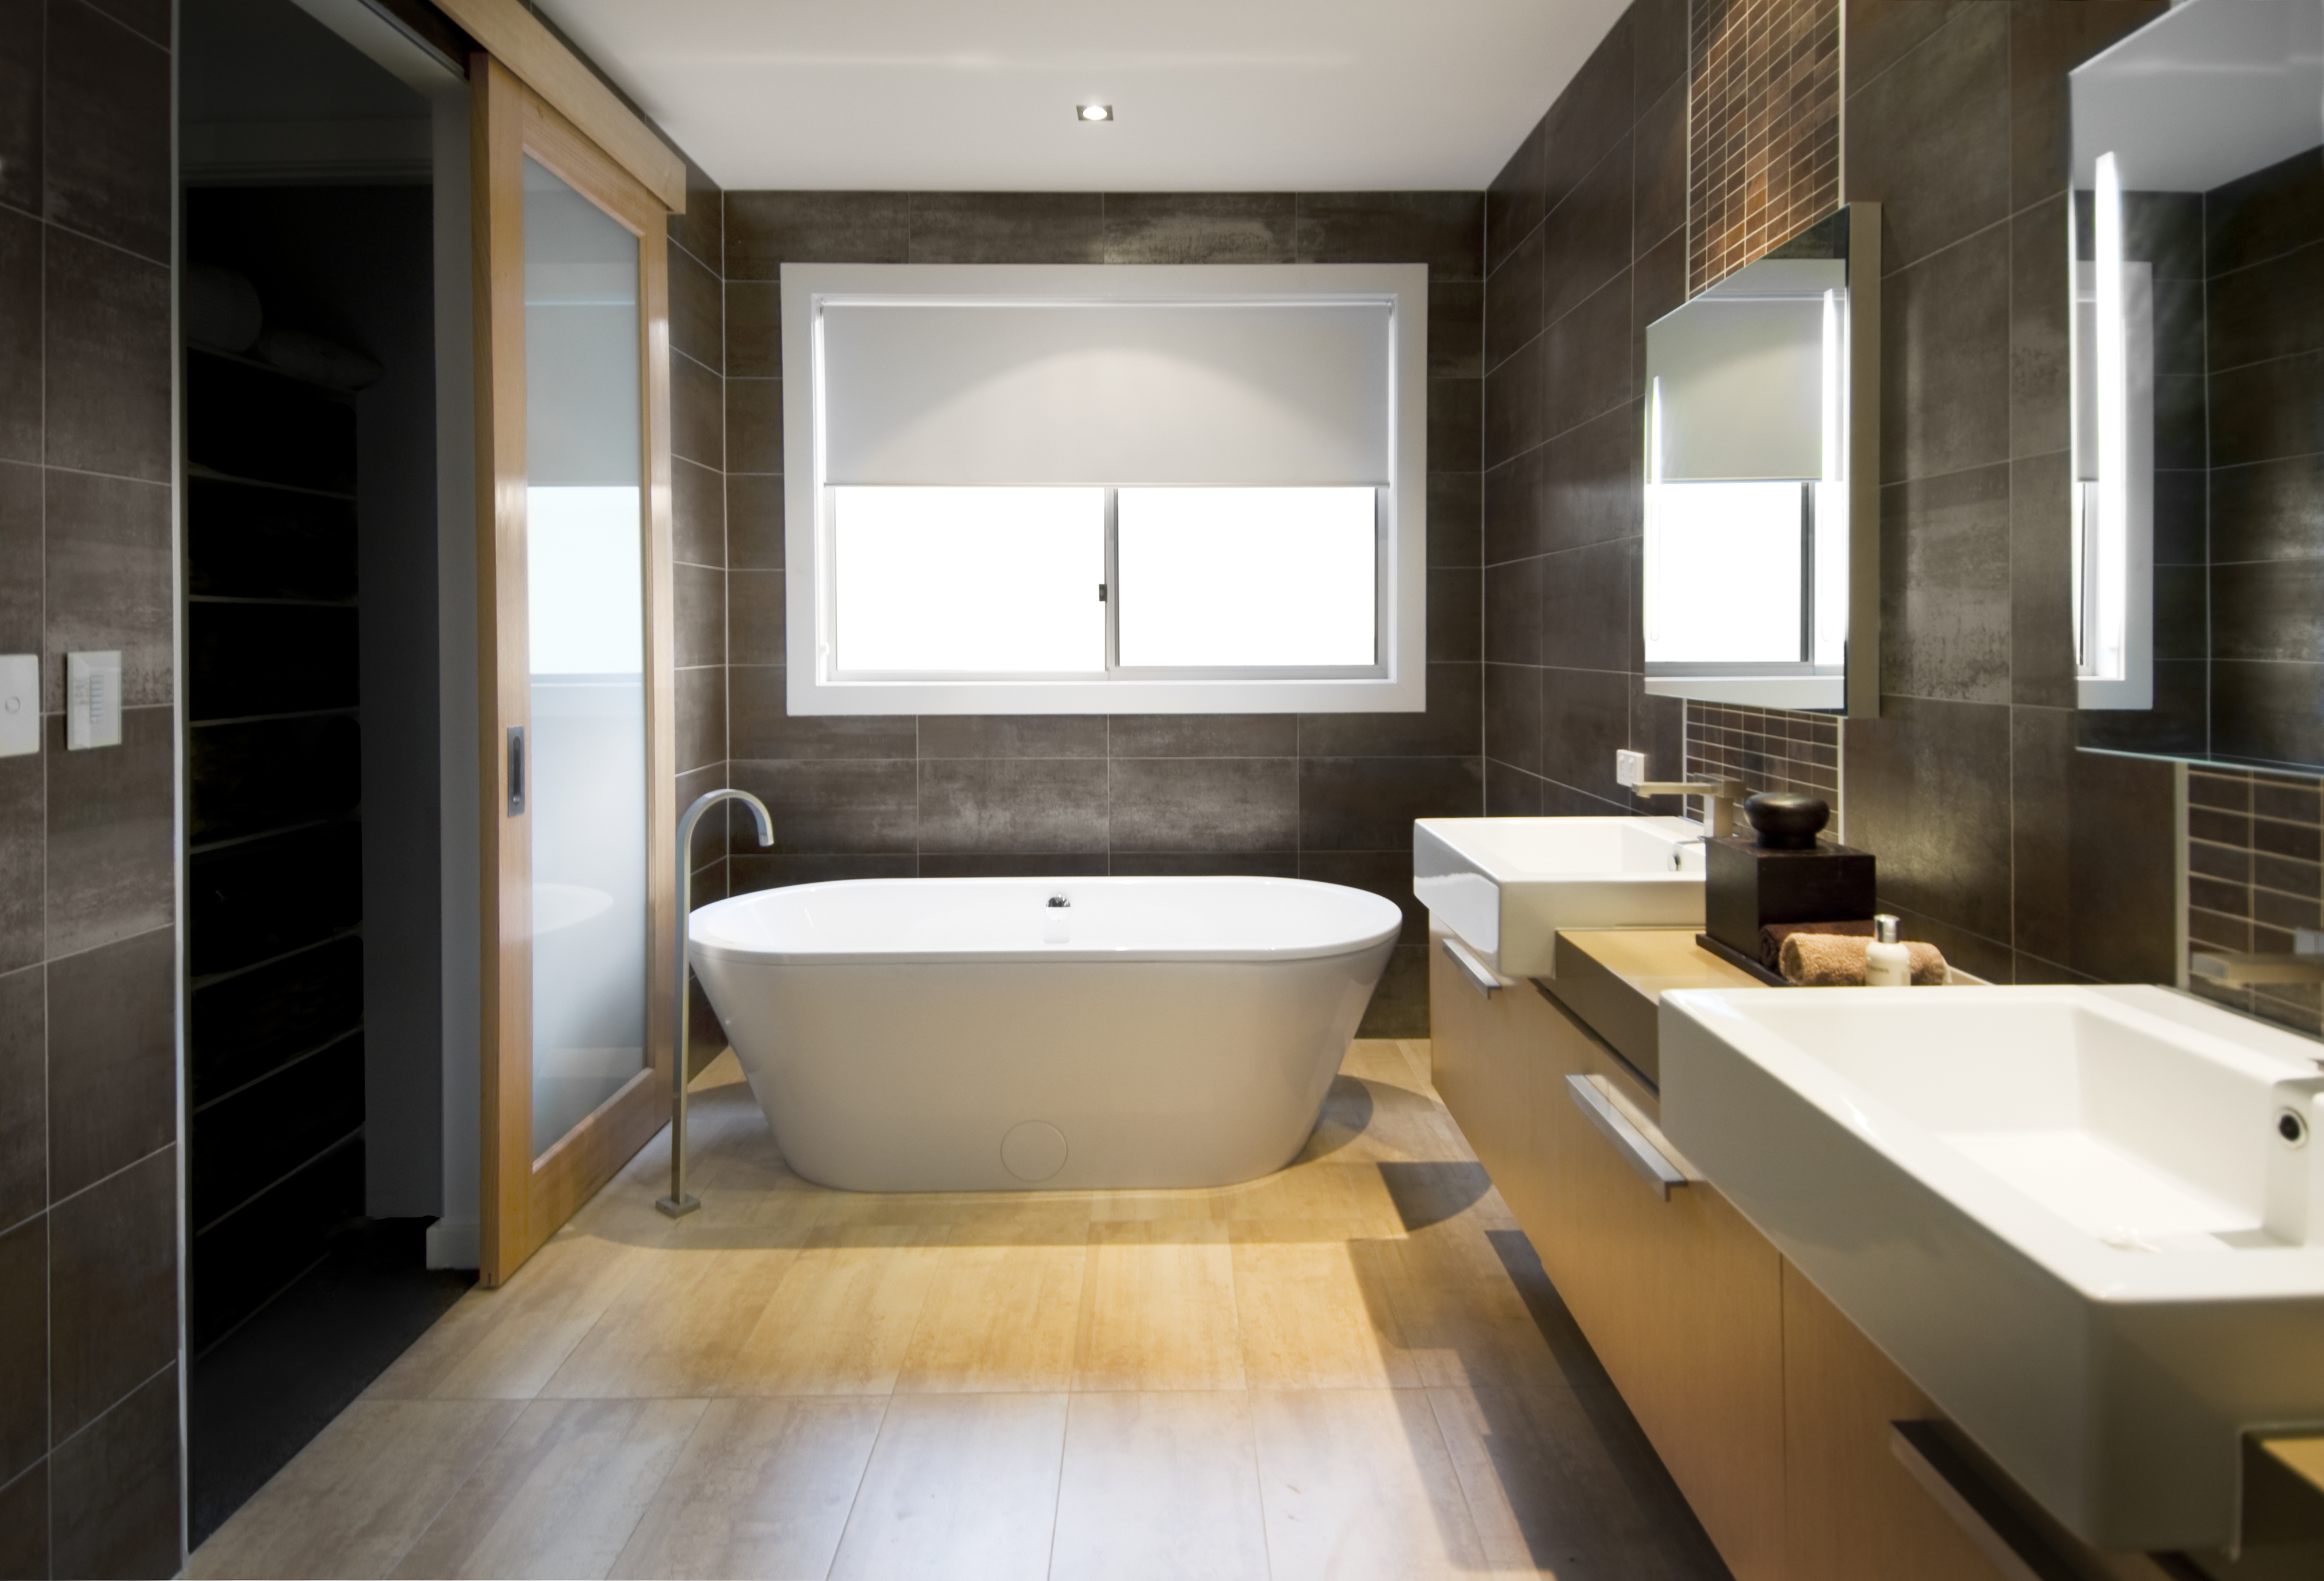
(1095, 112)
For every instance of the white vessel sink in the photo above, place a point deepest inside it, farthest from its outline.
(2088, 1222)
(1506, 886)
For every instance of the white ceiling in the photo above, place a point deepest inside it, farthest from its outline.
(979, 95)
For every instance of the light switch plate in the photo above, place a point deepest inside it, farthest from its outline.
(1629, 767)
(92, 700)
(20, 704)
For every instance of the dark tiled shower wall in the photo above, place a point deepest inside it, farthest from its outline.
(1767, 748)
(1586, 243)
(1765, 131)
(1328, 796)
(89, 1106)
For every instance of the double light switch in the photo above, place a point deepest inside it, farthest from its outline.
(92, 700)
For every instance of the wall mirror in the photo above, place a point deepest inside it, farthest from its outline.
(2197, 237)
(1761, 576)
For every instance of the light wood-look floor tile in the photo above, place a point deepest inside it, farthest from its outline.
(1358, 1484)
(762, 1489)
(676, 1328)
(1000, 1317)
(959, 1485)
(353, 1501)
(1561, 1482)
(1316, 1314)
(842, 1316)
(561, 1492)
(1379, 1122)
(1462, 1318)
(1159, 1487)
(505, 1344)
(1158, 1308)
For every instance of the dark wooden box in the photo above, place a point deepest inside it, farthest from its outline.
(1747, 887)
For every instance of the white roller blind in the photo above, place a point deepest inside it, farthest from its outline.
(1256, 394)
(1739, 375)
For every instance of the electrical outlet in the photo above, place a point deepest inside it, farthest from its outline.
(1629, 767)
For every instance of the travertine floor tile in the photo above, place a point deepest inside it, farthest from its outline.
(1358, 1484)
(1000, 1317)
(1158, 1487)
(844, 1314)
(561, 1492)
(962, 1487)
(1560, 1482)
(357, 1497)
(1158, 1309)
(675, 1330)
(762, 1489)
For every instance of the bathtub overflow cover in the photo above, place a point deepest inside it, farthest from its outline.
(1059, 900)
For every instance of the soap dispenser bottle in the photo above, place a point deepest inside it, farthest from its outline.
(1887, 963)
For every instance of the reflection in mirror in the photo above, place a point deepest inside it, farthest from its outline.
(2197, 232)
(1747, 558)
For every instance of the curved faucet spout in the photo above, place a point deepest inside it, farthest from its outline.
(677, 1203)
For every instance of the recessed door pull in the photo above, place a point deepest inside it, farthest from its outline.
(516, 771)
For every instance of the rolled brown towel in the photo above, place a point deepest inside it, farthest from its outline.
(1835, 960)
(1772, 937)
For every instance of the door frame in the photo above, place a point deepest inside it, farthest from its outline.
(525, 1201)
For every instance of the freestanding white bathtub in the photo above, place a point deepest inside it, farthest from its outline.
(941, 1035)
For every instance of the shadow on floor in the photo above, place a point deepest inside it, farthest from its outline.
(256, 1397)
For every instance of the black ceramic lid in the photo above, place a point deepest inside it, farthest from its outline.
(1787, 819)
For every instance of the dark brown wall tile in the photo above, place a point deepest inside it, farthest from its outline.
(1201, 227)
(1516, 407)
(766, 230)
(1020, 735)
(754, 617)
(1588, 236)
(1585, 718)
(1513, 715)
(2087, 898)
(698, 413)
(23, 785)
(1203, 735)
(2269, 511)
(2268, 711)
(23, 24)
(1945, 362)
(1659, 48)
(1881, 32)
(1203, 864)
(1588, 596)
(1455, 615)
(2267, 611)
(1593, 113)
(1945, 605)
(754, 523)
(833, 807)
(110, 833)
(1369, 804)
(1008, 227)
(1928, 794)
(701, 229)
(701, 696)
(1012, 805)
(1444, 230)
(112, 563)
(2041, 579)
(20, 322)
(1513, 203)
(113, 1497)
(1456, 511)
(1447, 727)
(1456, 330)
(2040, 366)
(22, 586)
(708, 847)
(23, 1099)
(149, 19)
(697, 514)
(1513, 613)
(754, 424)
(2267, 309)
(2265, 213)
(23, 1347)
(1586, 368)
(1455, 422)
(1092, 864)
(107, 136)
(1930, 142)
(698, 327)
(761, 728)
(112, 1014)
(754, 329)
(747, 871)
(1511, 792)
(1512, 507)
(1593, 483)
(1658, 170)
(113, 1291)
(1513, 301)
(699, 599)
(2048, 39)
(108, 360)
(1204, 804)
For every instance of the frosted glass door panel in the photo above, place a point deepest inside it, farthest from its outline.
(584, 554)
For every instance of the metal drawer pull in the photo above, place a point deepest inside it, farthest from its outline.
(1628, 1141)
(1483, 980)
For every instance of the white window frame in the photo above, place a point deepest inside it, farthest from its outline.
(1395, 683)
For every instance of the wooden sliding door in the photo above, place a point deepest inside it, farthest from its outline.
(574, 611)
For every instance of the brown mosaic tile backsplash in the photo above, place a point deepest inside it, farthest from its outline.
(2256, 872)
(1763, 140)
(1767, 748)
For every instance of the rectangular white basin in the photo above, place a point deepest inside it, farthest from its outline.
(2088, 1223)
(1506, 886)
